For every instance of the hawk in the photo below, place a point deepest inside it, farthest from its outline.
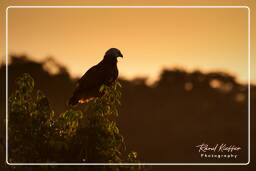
(104, 73)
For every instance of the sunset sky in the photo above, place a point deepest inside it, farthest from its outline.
(209, 39)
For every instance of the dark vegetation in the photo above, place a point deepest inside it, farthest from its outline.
(162, 122)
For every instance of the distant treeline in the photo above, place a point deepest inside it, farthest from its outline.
(163, 122)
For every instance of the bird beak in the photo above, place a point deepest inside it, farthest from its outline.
(121, 55)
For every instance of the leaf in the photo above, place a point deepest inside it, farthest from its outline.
(102, 88)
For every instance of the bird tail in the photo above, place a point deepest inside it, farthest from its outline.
(72, 101)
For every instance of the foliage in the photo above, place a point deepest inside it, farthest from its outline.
(38, 134)
(179, 98)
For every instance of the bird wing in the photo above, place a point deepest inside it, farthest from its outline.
(94, 77)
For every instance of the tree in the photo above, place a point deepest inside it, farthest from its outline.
(38, 134)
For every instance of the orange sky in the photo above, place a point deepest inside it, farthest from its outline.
(150, 39)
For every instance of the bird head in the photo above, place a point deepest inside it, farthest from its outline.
(114, 52)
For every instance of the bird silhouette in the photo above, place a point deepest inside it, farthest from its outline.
(104, 73)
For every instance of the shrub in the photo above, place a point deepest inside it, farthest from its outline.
(38, 134)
